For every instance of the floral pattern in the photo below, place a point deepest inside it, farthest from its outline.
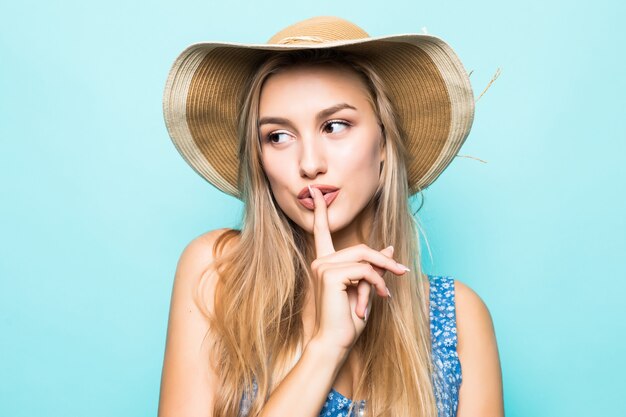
(447, 377)
(337, 405)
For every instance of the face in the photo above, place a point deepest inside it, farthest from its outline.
(317, 127)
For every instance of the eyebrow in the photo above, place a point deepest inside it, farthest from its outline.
(321, 115)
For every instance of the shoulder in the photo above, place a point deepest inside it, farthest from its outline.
(481, 390)
(196, 260)
(194, 283)
(188, 377)
(473, 317)
(202, 250)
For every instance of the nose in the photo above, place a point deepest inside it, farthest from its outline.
(312, 157)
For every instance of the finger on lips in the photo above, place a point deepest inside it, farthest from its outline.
(321, 231)
(378, 260)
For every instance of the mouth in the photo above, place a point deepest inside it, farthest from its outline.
(330, 193)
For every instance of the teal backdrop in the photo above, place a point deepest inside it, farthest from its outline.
(96, 204)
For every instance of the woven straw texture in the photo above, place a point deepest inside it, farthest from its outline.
(427, 83)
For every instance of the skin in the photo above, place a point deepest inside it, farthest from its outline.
(306, 150)
(347, 274)
(309, 144)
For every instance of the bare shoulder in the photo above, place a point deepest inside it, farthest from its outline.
(472, 312)
(481, 389)
(202, 250)
(471, 309)
(188, 378)
(197, 259)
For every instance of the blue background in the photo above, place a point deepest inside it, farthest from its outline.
(96, 205)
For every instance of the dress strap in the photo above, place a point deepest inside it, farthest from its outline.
(442, 312)
(447, 376)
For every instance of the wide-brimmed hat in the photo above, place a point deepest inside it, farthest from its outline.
(426, 82)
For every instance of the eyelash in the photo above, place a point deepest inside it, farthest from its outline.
(329, 122)
(342, 122)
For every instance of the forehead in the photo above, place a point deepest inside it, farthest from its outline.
(312, 87)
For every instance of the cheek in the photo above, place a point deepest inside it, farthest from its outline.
(361, 162)
(278, 171)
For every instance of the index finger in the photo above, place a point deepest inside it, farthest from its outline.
(321, 231)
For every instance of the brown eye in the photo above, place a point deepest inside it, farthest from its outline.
(275, 137)
(335, 126)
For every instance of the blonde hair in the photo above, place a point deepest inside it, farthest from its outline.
(256, 323)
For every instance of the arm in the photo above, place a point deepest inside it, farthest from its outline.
(481, 390)
(316, 370)
(188, 380)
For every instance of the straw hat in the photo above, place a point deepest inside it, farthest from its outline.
(426, 81)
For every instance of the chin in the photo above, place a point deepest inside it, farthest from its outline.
(337, 221)
(338, 218)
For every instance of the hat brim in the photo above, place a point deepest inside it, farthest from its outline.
(426, 81)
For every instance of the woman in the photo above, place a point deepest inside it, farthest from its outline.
(324, 133)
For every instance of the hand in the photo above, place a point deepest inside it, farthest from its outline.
(344, 281)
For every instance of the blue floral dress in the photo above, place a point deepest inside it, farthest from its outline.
(447, 378)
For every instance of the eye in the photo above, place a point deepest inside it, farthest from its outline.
(335, 126)
(277, 137)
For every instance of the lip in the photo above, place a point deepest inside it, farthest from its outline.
(330, 194)
(324, 188)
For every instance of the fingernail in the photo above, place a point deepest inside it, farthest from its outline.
(390, 247)
(310, 191)
(402, 266)
(389, 293)
(366, 313)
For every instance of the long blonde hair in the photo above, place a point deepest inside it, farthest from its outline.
(256, 324)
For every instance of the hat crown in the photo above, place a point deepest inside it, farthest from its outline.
(320, 29)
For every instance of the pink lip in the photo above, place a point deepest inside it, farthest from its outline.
(330, 193)
(304, 193)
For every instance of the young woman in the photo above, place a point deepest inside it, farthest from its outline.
(318, 305)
